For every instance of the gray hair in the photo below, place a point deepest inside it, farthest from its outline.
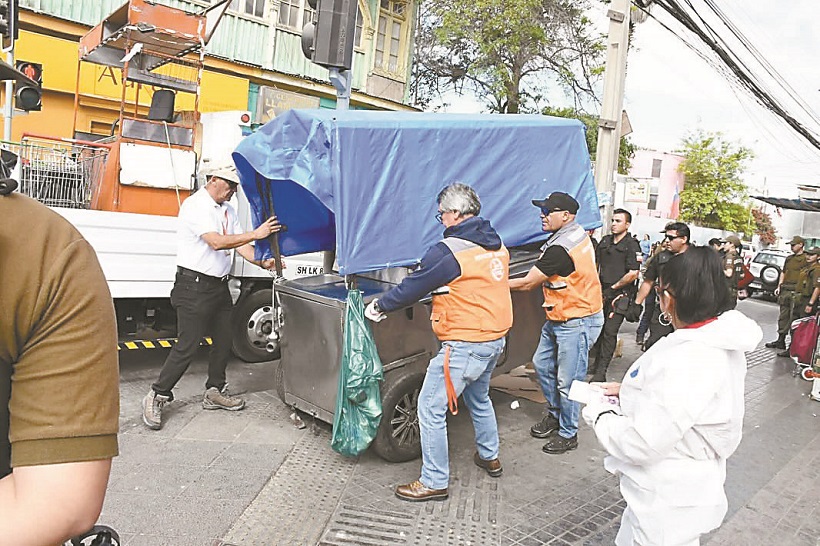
(460, 198)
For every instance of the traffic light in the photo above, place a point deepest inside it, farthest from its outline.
(29, 97)
(8, 23)
(328, 40)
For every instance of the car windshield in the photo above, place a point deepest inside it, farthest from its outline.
(766, 258)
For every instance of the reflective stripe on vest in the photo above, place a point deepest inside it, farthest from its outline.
(578, 295)
(478, 306)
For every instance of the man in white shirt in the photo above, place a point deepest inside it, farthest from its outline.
(208, 232)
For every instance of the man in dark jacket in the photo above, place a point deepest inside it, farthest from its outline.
(467, 273)
(617, 258)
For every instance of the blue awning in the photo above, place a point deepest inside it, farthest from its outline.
(365, 183)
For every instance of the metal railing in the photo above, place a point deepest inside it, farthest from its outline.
(59, 172)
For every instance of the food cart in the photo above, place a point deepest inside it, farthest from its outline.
(364, 184)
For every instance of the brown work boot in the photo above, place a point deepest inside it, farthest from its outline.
(493, 467)
(216, 399)
(417, 491)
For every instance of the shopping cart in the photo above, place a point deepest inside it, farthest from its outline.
(60, 172)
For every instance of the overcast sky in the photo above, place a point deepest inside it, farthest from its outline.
(671, 91)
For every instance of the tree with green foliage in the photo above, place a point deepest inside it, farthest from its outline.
(763, 227)
(510, 53)
(714, 195)
(626, 151)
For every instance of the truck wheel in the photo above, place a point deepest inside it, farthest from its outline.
(398, 439)
(253, 321)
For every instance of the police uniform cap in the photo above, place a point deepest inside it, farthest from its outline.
(797, 240)
(735, 240)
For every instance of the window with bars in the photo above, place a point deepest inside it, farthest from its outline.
(391, 35)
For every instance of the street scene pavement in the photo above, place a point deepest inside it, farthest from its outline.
(218, 478)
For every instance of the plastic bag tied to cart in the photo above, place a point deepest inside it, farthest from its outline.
(358, 404)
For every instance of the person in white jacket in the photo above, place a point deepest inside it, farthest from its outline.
(678, 415)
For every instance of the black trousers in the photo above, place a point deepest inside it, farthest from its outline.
(604, 348)
(203, 306)
(656, 329)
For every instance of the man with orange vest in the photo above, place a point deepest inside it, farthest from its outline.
(568, 275)
(467, 273)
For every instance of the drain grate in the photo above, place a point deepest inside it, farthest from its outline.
(368, 527)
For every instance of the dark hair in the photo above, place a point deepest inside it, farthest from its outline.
(625, 213)
(681, 228)
(696, 280)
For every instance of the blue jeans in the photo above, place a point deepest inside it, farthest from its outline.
(562, 357)
(471, 365)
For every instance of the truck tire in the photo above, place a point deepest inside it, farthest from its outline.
(397, 439)
(253, 321)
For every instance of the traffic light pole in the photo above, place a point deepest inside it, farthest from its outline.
(8, 111)
(341, 80)
(609, 125)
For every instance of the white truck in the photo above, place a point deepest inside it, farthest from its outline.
(138, 251)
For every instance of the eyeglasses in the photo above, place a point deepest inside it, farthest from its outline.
(672, 237)
(441, 213)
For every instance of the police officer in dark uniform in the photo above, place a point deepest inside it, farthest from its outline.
(733, 264)
(617, 257)
(676, 235)
(785, 293)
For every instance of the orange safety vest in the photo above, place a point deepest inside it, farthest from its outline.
(478, 306)
(578, 295)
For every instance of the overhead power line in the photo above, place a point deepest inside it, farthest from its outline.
(737, 69)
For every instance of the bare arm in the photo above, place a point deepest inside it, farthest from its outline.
(626, 279)
(643, 291)
(47, 504)
(227, 242)
(533, 279)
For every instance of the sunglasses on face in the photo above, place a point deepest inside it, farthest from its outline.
(547, 212)
(672, 237)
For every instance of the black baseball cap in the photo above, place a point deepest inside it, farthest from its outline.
(557, 201)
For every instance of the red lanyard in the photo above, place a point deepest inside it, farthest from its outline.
(699, 324)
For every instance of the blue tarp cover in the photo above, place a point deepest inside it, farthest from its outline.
(366, 182)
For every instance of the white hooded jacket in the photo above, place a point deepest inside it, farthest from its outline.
(682, 404)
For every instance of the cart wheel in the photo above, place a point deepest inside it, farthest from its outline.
(398, 438)
(253, 321)
(807, 374)
(279, 379)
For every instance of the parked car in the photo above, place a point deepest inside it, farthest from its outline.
(766, 267)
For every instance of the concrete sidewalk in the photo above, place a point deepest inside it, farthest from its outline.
(252, 477)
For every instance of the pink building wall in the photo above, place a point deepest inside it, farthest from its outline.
(670, 180)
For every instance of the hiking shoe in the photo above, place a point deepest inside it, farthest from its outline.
(557, 444)
(545, 427)
(639, 338)
(152, 409)
(784, 352)
(776, 344)
(493, 466)
(216, 399)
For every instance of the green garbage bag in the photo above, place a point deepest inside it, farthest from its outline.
(358, 403)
